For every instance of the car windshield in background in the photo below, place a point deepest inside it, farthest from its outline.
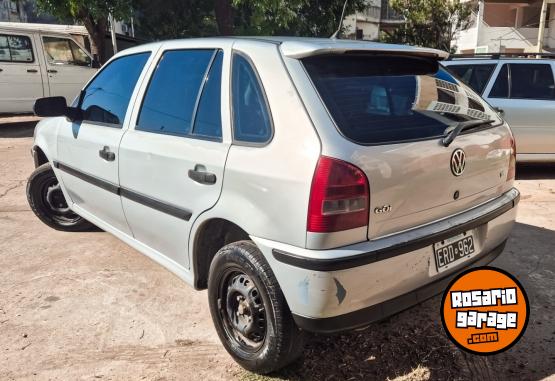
(392, 99)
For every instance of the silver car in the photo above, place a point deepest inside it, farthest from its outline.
(312, 185)
(523, 91)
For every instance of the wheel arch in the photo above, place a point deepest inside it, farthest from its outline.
(39, 157)
(210, 236)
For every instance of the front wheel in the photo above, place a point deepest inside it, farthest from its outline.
(249, 310)
(47, 201)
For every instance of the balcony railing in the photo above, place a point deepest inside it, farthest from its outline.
(373, 12)
(388, 14)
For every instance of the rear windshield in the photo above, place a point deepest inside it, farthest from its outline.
(393, 99)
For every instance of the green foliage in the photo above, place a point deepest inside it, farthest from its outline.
(175, 18)
(307, 18)
(430, 23)
(94, 9)
(162, 19)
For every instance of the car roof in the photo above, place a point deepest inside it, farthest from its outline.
(494, 61)
(300, 47)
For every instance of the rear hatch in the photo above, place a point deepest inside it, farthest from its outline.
(395, 110)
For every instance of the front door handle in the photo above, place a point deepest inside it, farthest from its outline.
(52, 71)
(106, 154)
(32, 70)
(200, 175)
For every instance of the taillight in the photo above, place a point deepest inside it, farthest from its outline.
(339, 197)
(511, 173)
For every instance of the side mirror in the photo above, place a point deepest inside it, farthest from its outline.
(51, 106)
(95, 64)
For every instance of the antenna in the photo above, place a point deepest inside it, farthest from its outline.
(334, 36)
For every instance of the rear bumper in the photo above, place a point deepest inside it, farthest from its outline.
(352, 286)
(390, 307)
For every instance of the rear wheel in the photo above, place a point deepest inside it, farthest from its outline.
(249, 310)
(49, 204)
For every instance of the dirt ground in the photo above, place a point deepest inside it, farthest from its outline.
(86, 306)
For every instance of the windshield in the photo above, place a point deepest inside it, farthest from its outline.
(377, 99)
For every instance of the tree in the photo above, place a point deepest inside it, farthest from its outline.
(159, 19)
(93, 14)
(293, 17)
(163, 19)
(430, 23)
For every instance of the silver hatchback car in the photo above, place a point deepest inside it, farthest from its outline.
(312, 185)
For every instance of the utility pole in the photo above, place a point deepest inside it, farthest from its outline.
(113, 33)
(541, 32)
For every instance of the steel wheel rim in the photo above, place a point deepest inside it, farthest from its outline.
(242, 311)
(53, 199)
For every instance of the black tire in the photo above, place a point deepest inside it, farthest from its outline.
(232, 270)
(48, 203)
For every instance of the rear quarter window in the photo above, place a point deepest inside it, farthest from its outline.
(377, 99)
(475, 76)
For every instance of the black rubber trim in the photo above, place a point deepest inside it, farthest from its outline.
(35, 155)
(108, 186)
(127, 193)
(155, 204)
(368, 315)
(335, 264)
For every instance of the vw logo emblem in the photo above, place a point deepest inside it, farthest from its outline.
(458, 162)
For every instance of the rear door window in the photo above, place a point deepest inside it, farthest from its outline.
(532, 81)
(524, 81)
(500, 88)
(16, 49)
(475, 76)
(390, 99)
(170, 101)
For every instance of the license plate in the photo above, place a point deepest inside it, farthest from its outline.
(452, 250)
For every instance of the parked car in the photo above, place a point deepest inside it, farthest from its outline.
(37, 63)
(312, 185)
(523, 90)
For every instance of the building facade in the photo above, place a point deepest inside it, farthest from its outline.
(509, 27)
(367, 25)
(12, 11)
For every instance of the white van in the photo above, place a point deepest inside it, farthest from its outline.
(37, 62)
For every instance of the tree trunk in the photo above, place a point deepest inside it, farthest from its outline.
(224, 17)
(97, 32)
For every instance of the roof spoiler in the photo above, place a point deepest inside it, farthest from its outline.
(297, 49)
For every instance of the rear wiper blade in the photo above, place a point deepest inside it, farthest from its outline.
(462, 126)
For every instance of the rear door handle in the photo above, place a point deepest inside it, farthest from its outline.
(200, 175)
(52, 71)
(106, 154)
(32, 70)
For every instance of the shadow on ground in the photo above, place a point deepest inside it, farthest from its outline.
(413, 346)
(17, 130)
(535, 171)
